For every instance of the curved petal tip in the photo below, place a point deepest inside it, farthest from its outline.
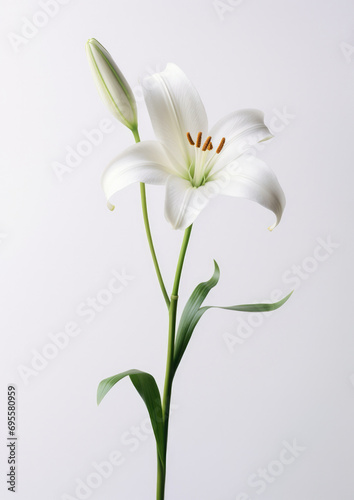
(279, 216)
(110, 206)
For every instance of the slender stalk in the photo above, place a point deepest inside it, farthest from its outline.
(160, 487)
(172, 311)
(148, 232)
(161, 471)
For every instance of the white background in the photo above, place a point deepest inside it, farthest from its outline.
(236, 400)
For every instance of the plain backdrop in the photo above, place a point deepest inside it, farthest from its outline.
(249, 387)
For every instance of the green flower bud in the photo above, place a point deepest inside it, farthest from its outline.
(111, 84)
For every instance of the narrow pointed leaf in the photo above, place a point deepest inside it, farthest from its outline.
(146, 386)
(193, 312)
(191, 315)
(194, 302)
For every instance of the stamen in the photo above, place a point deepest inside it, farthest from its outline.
(221, 145)
(199, 140)
(189, 137)
(206, 143)
(210, 147)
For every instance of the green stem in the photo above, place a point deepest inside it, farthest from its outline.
(161, 471)
(148, 231)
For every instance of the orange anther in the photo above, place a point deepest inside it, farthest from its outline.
(221, 145)
(189, 137)
(206, 143)
(199, 140)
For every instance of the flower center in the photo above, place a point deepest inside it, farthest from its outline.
(198, 170)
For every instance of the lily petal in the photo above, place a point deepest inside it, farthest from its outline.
(143, 162)
(184, 202)
(241, 129)
(175, 108)
(251, 178)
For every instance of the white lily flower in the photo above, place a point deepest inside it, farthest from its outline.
(193, 163)
(111, 84)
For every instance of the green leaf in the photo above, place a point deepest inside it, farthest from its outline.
(193, 312)
(146, 386)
